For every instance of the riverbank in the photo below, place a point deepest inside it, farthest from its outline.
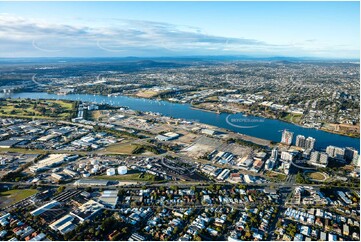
(268, 129)
(223, 110)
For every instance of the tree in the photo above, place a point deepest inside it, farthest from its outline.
(218, 187)
(107, 224)
(174, 188)
(60, 189)
(197, 238)
(91, 231)
(240, 186)
(299, 178)
(125, 230)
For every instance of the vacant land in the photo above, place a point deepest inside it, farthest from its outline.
(23, 151)
(96, 115)
(120, 149)
(147, 94)
(344, 129)
(10, 197)
(28, 108)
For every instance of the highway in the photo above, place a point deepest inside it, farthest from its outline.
(168, 184)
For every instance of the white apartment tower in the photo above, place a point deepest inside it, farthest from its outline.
(300, 141)
(287, 137)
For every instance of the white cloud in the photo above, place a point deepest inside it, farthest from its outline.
(118, 37)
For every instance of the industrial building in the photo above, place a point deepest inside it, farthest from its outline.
(109, 198)
(63, 225)
(87, 210)
(224, 174)
(50, 161)
(45, 208)
(167, 136)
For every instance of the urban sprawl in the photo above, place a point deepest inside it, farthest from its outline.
(80, 170)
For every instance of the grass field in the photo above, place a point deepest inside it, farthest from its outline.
(293, 118)
(120, 149)
(317, 176)
(26, 151)
(130, 176)
(45, 109)
(212, 98)
(277, 176)
(23, 151)
(147, 93)
(13, 196)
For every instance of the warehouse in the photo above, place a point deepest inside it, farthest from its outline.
(44, 208)
(51, 160)
(167, 136)
(109, 198)
(63, 225)
(87, 210)
(8, 143)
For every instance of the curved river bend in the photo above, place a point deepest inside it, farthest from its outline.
(268, 129)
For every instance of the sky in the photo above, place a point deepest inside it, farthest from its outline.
(120, 29)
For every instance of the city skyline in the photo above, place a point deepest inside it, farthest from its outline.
(120, 29)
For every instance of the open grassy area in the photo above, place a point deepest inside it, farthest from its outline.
(318, 176)
(29, 108)
(10, 197)
(27, 151)
(293, 118)
(130, 176)
(276, 176)
(147, 93)
(212, 98)
(23, 151)
(120, 149)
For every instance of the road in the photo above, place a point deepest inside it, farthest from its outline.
(168, 184)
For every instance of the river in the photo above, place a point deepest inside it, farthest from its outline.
(269, 129)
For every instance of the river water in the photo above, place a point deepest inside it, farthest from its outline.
(269, 129)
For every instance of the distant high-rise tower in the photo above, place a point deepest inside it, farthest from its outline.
(310, 143)
(350, 153)
(335, 152)
(319, 158)
(356, 160)
(301, 141)
(287, 137)
(274, 154)
(315, 156)
(323, 158)
(286, 156)
(330, 150)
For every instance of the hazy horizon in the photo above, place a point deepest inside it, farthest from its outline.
(329, 30)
